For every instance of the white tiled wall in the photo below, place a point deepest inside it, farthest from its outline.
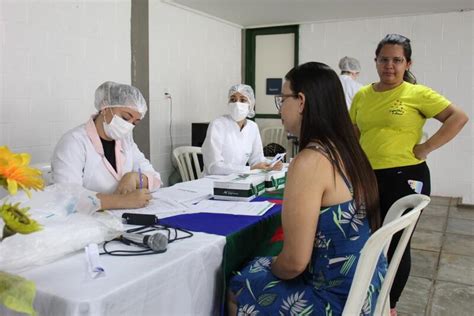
(53, 54)
(442, 59)
(196, 59)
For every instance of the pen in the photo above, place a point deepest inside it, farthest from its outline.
(140, 178)
(277, 158)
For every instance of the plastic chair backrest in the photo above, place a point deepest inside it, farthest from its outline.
(188, 162)
(378, 242)
(274, 134)
(46, 172)
(416, 202)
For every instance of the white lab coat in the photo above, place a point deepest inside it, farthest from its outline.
(351, 87)
(79, 158)
(227, 149)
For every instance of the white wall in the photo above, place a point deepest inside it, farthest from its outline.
(274, 55)
(53, 54)
(196, 59)
(442, 59)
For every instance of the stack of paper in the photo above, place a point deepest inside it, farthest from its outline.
(275, 180)
(183, 194)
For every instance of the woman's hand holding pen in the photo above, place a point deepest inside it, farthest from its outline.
(267, 166)
(277, 166)
(132, 190)
(131, 182)
(134, 199)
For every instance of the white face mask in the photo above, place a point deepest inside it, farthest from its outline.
(238, 110)
(118, 128)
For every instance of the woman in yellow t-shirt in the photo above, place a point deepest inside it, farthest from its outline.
(389, 116)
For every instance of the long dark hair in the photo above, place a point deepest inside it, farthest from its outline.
(404, 42)
(326, 121)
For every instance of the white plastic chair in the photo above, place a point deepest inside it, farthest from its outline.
(46, 172)
(378, 242)
(274, 134)
(188, 162)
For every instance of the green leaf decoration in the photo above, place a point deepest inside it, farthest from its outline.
(239, 291)
(348, 264)
(336, 221)
(271, 284)
(307, 311)
(324, 210)
(267, 299)
(381, 277)
(328, 310)
(250, 289)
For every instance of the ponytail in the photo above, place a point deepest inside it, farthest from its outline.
(408, 76)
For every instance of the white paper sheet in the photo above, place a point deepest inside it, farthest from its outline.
(95, 267)
(231, 207)
(183, 194)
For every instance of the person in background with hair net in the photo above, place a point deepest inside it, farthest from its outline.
(101, 154)
(232, 141)
(350, 69)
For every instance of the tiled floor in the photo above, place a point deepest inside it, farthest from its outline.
(442, 275)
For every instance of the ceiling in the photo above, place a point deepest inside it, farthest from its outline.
(253, 13)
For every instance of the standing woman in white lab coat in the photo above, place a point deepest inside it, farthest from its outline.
(232, 141)
(101, 154)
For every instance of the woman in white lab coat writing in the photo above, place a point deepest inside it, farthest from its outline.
(101, 154)
(232, 141)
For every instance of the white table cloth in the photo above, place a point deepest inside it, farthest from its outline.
(185, 280)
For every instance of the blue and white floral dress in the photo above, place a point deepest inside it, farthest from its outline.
(324, 286)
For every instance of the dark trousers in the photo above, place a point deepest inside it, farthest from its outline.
(393, 184)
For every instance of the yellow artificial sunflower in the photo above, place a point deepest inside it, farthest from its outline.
(15, 172)
(17, 220)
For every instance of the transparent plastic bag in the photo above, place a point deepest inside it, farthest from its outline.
(67, 214)
(59, 200)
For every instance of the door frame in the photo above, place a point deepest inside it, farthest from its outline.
(250, 45)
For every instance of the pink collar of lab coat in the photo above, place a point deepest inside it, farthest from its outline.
(91, 131)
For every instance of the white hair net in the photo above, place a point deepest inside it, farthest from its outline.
(247, 91)
(112, 94)
(349, 64)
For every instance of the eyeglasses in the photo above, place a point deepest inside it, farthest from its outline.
(279, 99)
(386, 60)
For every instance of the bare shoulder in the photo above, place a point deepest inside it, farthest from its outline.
(310, 164)
(309, 157)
